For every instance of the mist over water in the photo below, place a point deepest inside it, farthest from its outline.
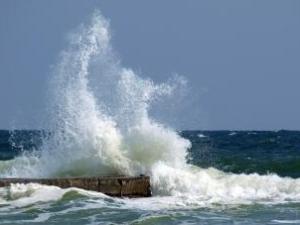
(99, 125)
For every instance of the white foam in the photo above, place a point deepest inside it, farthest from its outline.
(201, 136)
(21, 195)
(286, 221)
(214, 186)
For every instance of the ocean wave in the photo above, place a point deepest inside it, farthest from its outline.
(108, 131)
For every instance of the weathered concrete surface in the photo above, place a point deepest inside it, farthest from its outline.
(113, 186)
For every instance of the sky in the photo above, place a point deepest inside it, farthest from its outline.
(241, 59)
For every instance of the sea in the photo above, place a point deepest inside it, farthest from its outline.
(244, 177)
(98, 121)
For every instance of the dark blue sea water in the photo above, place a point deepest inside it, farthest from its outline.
(260, 152)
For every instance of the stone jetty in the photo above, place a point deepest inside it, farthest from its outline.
(119, 186)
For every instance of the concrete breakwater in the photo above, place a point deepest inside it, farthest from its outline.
(114, 186)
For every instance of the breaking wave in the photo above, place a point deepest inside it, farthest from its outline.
(99, 125)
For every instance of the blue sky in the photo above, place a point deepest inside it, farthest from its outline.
(241, 58)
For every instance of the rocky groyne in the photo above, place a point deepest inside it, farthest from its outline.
(113, 186)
